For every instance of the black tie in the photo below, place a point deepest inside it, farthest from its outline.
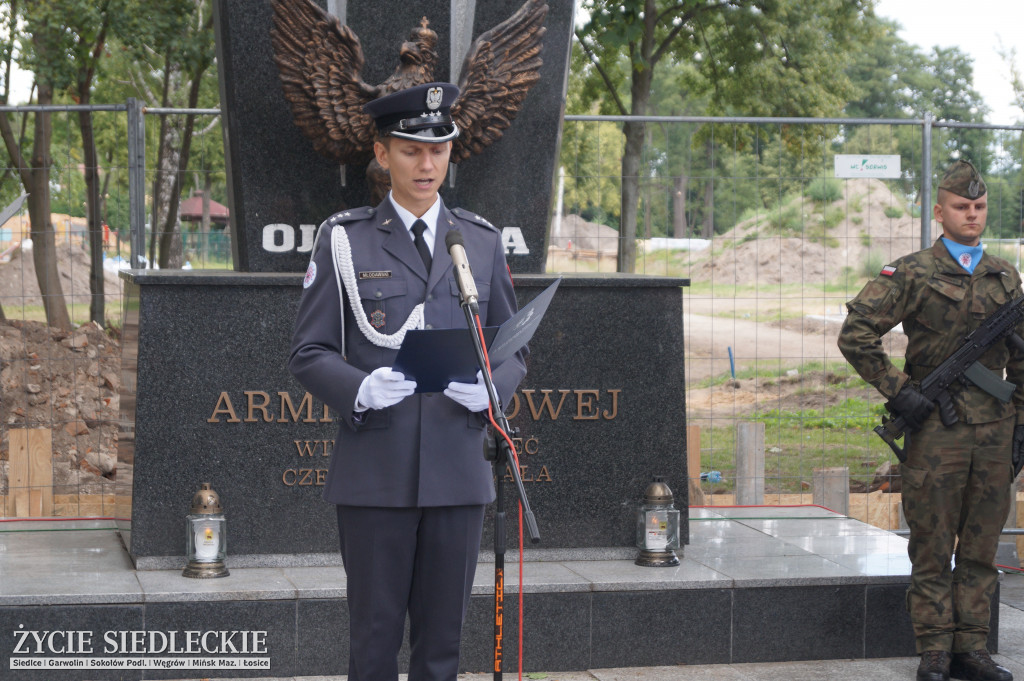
(421, 245)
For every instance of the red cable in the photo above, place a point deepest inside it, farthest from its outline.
(515, 461)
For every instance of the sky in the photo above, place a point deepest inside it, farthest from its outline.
(926, 23)
(976, 27)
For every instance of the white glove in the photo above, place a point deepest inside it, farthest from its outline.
(472, 396)
(383, 388)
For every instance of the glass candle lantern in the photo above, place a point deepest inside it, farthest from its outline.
(206, 536)
(657, 526)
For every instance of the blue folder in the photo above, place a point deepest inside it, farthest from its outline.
(436, 357)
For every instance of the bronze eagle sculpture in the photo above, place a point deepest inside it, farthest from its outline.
(320, 63)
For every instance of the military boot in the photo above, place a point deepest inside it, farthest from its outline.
(934, 666)
(977, 665)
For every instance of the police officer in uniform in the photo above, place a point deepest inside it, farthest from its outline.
(956, 479)
(407, 473)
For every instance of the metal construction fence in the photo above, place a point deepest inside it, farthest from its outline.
(60, 408)
(749, 209)
(757, 214)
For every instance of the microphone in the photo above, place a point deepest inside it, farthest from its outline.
(463, 275)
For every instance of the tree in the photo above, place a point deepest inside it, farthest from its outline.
(180, 57)
(893, 79)
(42, 53)
(761, 57)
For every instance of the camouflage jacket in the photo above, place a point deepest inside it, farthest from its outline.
(938, 303)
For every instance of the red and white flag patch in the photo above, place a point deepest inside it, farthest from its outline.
(888, 271)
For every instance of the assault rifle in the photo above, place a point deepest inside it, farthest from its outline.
(962, 366)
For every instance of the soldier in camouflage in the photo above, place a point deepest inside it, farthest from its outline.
(956, 479)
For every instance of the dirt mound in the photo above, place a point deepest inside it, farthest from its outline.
(795, 244)
(575, 233)
(19, 286)
(66, 382)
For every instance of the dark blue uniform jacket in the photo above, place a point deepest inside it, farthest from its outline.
(427, 449)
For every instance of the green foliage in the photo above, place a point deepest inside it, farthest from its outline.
(825, 190)
(850, 413)
(786, 220)
(833, 216)
(893, 212)
(873, 263)
(847, 278)
(855, 204)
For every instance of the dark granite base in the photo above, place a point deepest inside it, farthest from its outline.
(564, 631)
(212, 401)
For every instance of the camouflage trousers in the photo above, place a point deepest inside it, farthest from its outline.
(956, 490)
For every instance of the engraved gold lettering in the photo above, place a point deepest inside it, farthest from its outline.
(306, 447)
(304, 477)
(545, 404)
(253, 406)
(615, 404)
(585, 401)
(227, 409)
(286, 404)
(532, 446)
(514, 411)
(543, 476)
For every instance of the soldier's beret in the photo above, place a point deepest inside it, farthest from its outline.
(963, 179)
(422, 113)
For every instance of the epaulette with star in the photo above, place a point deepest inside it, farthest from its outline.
(470, 216)
(340, 218)
(351, 215)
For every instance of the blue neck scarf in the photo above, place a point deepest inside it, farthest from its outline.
(967, 257)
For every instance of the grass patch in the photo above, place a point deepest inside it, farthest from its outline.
(893, 212)
(872, 265)
(793, 451)
(786, 221)
(825, 190)
(850, 413)
(832, 217)
(856, 204)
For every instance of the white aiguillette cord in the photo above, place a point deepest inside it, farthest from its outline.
(344, 272)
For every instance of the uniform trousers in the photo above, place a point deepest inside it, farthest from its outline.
(956, 490)
(415, 560)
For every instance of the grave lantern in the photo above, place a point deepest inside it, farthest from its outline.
(657, 526)
(206, 531)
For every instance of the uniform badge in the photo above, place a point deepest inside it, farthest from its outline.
(377, 319)
(965, 260)
(434, 96)
(888, 271)
(310, 277)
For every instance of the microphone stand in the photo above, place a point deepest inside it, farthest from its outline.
(502, 456)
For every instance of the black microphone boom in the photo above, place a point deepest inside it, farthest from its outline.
(463, 275)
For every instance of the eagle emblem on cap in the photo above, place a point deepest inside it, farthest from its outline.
(320, 62)
(434, 95)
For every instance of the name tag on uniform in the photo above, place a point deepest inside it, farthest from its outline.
(378, 274)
